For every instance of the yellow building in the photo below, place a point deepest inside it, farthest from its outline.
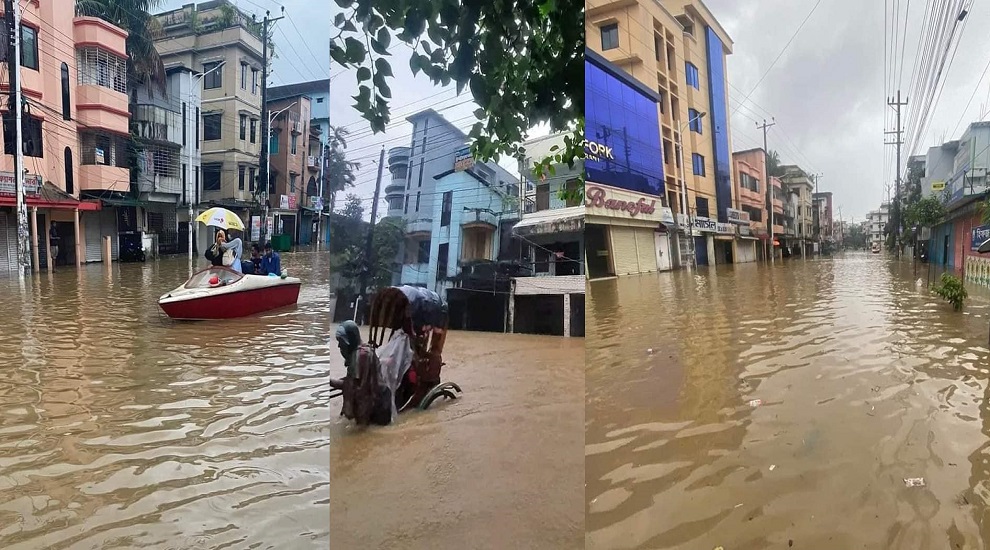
(678, 48)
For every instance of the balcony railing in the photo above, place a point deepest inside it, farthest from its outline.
(155, 123)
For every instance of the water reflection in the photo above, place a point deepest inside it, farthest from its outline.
(121, 429)
(863, 380)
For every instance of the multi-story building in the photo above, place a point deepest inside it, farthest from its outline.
(222, 43)
(751, 200)
(314, 198)
(547, 296)
(75, 125)
(876, 223)
(799, 183)
(825, 220)
(778, 217)
(675, 51)
(288, 150)
(437, 148)
(168, 158)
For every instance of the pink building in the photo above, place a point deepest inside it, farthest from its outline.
(75, 130)
(750, 193)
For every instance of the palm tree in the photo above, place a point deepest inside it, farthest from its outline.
(773, 164)
(144, 65)
(341, 172)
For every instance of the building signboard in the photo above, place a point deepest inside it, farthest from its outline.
(740, 217)
(666, 215)
(622, 131)
(283, 202)
(32, 184)
(725, 228)
(316, 203)
(978, 236)
(938, 185)
(255, 228)
(463, 160)
(606, 201)
(706, 225)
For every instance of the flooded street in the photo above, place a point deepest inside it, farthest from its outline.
(122, 429)
(864, 380)
(501, 467)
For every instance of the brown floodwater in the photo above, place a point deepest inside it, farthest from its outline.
(121, 429)
(501, 467)
(864, 380)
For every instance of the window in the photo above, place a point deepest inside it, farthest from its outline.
(66, 106)
(70, 186)
(273, 145)
(698, 162)
(185, 180)
(104, 149)
(244, 76)
(211, 126)
(243, 127)
(213, 79)
(749, 182)
(420, 172)
(448, 199)
(701, 207)
(661, 102)
(211, 177)
(658, 47)
(185, 124)
(691, 75)
(694, 121)
(31, 138)
(423, 256)
(254, 81)
(292, 183)
(254, 130)
(295, 139)
(96, 67)
(197, 129)
(443, 251)
(29, 47)
(405, 209)
(572, 187)
(197, 178)
(610, 37)
(240, 178)
(417, 200)
(252, 177)
(319, 100)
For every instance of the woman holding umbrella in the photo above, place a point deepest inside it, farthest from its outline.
(225, 220)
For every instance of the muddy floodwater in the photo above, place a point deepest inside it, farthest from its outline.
(501, 467)
(858, 378)
(119, 429)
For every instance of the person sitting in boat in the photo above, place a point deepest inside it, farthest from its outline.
(215, 253)
(236, 246)
(271, 264)
(252, 266)
(366, 397)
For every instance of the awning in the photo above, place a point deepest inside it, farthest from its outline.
(550, 222)
(124, 202)
(50, 197)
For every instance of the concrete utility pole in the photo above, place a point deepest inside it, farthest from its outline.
(689, 231)
(263, 161)
(897, 193)
(369, 246)
(12, 16)
(324, 149)
(766, 168)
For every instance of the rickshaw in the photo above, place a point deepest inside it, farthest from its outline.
(422, 315)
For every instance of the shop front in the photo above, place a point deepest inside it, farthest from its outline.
(626, 220)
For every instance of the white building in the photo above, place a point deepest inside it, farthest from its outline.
(876, 222)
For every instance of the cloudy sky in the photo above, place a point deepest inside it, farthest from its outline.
(827, 90)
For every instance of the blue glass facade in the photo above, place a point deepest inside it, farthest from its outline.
(719, 124)
(622, 130)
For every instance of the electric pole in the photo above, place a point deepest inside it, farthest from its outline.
(766, 168)
(898, 222)
(12, 18)
(263, 176)
(369, 246)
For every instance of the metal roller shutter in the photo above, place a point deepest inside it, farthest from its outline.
(97, 225)
(646, 250)
(624, 249)
(8, 236)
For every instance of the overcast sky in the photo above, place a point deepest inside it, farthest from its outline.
(827, 90)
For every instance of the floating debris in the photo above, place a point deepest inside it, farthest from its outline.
(914, 482)
(772, 466)
(756, 403)
(650, 351)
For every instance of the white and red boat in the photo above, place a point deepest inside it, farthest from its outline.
(222, 293)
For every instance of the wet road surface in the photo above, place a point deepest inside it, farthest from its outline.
(864, 380)
(119, 429)
(501, 467)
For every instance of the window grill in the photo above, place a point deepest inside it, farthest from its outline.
(103, 149)
(101, 68)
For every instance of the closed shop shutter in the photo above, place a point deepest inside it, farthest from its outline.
(624, 252)
(91, 232)
(7, 259)
(646, 249)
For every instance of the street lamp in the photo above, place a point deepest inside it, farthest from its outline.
(268, 173)
(687, 219)
(192, 212)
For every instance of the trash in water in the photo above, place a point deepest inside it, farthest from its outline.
(756, 403)
(649, 350)
(772, 466)
(914, 482)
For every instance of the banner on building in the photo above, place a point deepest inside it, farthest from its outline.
(979, 236)
(316, 203)
(255, 228)
(740, 217)
(32, 184)
(463, 160)
(283, 202)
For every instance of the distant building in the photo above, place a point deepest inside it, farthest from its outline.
(876, 222)
(288, 149)
(750, 169)
(799, 184)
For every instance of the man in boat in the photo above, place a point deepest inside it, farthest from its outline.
(271, 264)
(366, 398)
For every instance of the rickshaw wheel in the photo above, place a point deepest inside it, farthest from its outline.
(446, 389)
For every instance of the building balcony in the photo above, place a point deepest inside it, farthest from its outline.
(313, 163)
(103, 108)
(395, 190)
(420, 226)
(95, 32)
(101, 177)
(154, 123)
(398, 155)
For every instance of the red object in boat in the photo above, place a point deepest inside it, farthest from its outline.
(232, 295)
